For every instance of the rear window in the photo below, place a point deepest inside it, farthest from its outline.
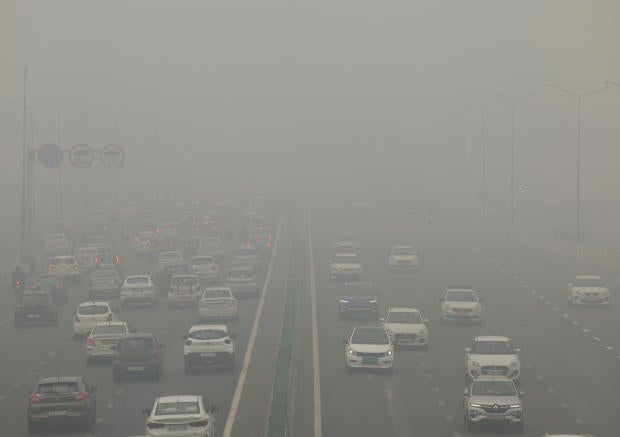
(93, 310)
(34, 299)
(137, 280)
(47, 281)
(56, 237)
(61, 261)
(135, 343)
(217, 293)
(104, 274)
(179, 268)
(202, 261)
(241, 274)
(109, 329)
(184, 281)
(58, 387)
(176, 408)
(208, 334)
(245, 252)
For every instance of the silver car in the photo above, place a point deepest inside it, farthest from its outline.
(102, 338)
(217, 303)
(104, 282)
(493, 399)
(206, 268)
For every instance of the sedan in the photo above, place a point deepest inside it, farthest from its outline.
(183, 415)
(102, 337)
(369, 347)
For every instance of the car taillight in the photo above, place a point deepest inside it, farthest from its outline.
(75, 267)
(90, 341)
(117, 259)
(157, 231)
(269, 244)
(198, 423)
(96, 260)
(174, 229)
(49, 268)
(80, 397)
(155, 425)
(33, 399)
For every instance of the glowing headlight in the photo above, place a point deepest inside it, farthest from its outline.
(515, 406)
(351, 352)
(388, 353)
(471, 404)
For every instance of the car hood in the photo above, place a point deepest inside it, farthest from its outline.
(591, 289)
(492, 400)
(371, 348)
(493, 359)
(464, 305)
(404, 328)
(345, 265)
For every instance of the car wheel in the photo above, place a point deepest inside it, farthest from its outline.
(32, 428)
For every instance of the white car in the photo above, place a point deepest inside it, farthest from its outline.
(243, 280)
(88, 314)
(57, 243)
(205, 267)
(169, 257)
(345, 266)
(212, 246)
(246, 255)
(369, 347)
(493, 399)
(218, 303)
(209, 345)
(66, 267)
(138, 289)
(102, 338)
(461, 304)
(406, 327)
(492, 355)
(95, 241)
(180, 416)
(184, 290)
(588, 290)
(86, 257)
(403, 258)
(346, 242)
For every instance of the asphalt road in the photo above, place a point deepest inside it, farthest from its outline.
(569, 362)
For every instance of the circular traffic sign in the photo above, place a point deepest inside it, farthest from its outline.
(112, 156)
(50, 155)
(81, 156)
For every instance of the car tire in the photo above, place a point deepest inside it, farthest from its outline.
(32, 427)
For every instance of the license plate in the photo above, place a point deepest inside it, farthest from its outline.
(207, 354)
(32, 316)
(108, 341)
(369, 360)
(177, 427)
(58, 413)
(462, 314)
(135, 368)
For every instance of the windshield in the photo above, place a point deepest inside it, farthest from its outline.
(201, 261)
(347, 259)
(403, 251)
(169, 256)
(589, 282)
(240, 274)
(403, 317)
(93, 310)
(461, 296)
(217, 293)
(177, 408)
(208, 334)
(57, 388)
(493, 388)
(135, 343)
(63, 260)
(492, 347)
(346, 236)
(369, 336)
(137, 280)
(184, 281)
(109, 330)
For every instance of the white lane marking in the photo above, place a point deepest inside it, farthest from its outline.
(578, 420)
(120, 391)
(456, 434)
(420, 295)
(422, 364)
(586, 330)
(429, 376)
(51, 354)
(526, 286)
(521, 281)
(441, 403)
(234, 405)
(548, 302)
(533, 291)
(388, 393)
(556, 309)
(62, 343)
(575, 322)
(109, 405)
(566, 316)
(435, 389)
(41, 363)
(563, 404)
(163, 332)
(528, 365)
(177, 310)
(449, 418)
(31, 372)
(494, 328)
(596, 339)
(541, 297)
(17, 385)
(539, 377)
(551, 390)
(5, 321)
(316, 374)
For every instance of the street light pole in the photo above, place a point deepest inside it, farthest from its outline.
(579, 98)
(24, 201)
(513, 103)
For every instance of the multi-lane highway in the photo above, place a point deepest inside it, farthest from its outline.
(569, 361)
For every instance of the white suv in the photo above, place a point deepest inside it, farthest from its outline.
(403, 258)
(406, 327)
(461, 304)
(588, 290)
(493, 399)
(492, 355)
(138, 288)
(88, 314)
(209, 345)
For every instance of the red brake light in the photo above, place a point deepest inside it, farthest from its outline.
(81, 397)
(96, 260)
(198, 423)
(90, 341)
(174, 229)
(157, 230)
(18, 282)
(75, 267)
(33, 399)
(269, 244)
(117, 259)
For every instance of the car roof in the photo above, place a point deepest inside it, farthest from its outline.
(403, 310)
(112, 323)
(493, 378)
(94, 302)
(178, 398)
(185, 275)
(139, 335)
(137, 276)
(220, 327)
(346, 254)
(491, 338)
(587, 277)
(60, 379)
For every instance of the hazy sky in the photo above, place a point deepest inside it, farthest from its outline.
(321, 91)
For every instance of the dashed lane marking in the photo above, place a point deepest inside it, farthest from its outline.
(563, 404)
(422, 364)
(548, 302)
(41, 363)
(441, 403)
(596, 339)
(99, 420)
(389, 395)
(456, 434)
(51, 353)
(109, 405)
(449, 418)
(578, 420)
(435, 389)
(119, 392)
(539, 377)
(575, 322)
(17, 385)
(586, 330)
(528, 365)
(2, 397)
(533, 291)
(551, 390)
(566, 316)
(429, 376)
(5, 321)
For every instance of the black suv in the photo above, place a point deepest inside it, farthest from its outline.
(35, 307)
(62, 399)
(138, 354)
(358, 298)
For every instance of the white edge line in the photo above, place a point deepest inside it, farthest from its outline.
(316, 374)
(234, 404)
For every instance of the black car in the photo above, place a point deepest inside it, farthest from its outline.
(62, 399)
(358, 298)
(137, 354)
(165, 275)
(35, 307)
(54, 285)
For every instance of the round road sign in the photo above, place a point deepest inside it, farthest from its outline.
(81, 156)
(112, 156)
(50, 155)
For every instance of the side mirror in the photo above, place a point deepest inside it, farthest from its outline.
(521, 394)
(467, 350)
(188, 342)
(146, 411)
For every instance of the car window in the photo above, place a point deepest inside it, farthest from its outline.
(461, 296)
(176, 408)
(208, 334)
(202, 261)
(370, 336)
(217, 293)
(240, 274)
(492, 347)
(135, 344)
(93, 310)
(184, 281)
(137, 280)
(58, 387)
(589, 282)
(403, 317)
(493, 388)
(245, 252)
(346, 259)
(104, 274)
(109, 329)
(403, 251)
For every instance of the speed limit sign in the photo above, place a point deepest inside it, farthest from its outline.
(112, 156)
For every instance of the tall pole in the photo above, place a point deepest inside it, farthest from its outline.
(579, 98)
(24, 201)
(59, 139)
(484, 160)
(513, 109)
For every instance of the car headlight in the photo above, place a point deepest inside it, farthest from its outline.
(515, 406)
(372, 301)
(474, 364)
(388, 353)
(351, 352)
(474, 405)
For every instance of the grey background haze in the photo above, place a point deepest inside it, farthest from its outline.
(375, 100)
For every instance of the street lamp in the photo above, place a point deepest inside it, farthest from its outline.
(579, 98)
(513, 103)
